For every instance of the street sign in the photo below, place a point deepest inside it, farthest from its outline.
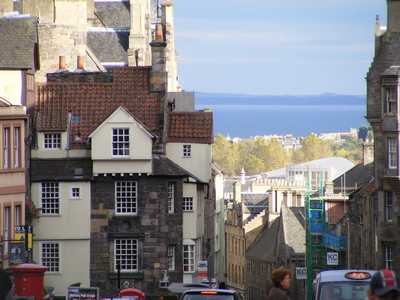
(332, 258)
(301, 273)
(21, 232)
(78, 293)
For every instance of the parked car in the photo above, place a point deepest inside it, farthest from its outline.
(210, 294)
(342, 284)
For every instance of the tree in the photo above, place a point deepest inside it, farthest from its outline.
(312, 148)
(224, 155)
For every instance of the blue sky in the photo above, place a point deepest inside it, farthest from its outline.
(276, 47)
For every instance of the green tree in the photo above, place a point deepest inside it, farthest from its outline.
(224, 155)
(312, 148)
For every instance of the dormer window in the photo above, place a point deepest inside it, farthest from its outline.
(390, 100)
(120, 142)
(52, 141)
(187, 151)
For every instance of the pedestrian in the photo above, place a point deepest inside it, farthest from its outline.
(281, 283)
(383, 286)
(5, 284)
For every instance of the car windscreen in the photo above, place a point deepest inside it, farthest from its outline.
(208, 297)
(346, 290)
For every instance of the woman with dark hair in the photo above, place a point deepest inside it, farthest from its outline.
(281, 280)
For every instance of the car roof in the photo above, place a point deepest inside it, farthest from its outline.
(230, 292)
(339, 275)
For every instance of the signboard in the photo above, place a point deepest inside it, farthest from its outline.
(21, 232)
(332, 258)
(16, 253)
(301, 273)
(79, 293)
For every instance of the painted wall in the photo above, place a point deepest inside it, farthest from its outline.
(11, 86)
(199, 164)
(190, 218)
(122, 166)
(74, 265)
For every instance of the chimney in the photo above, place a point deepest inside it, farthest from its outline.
(237, 192)
(393, 7)
(80, 63)
(158, 74)
(368, 152)
(61, 63)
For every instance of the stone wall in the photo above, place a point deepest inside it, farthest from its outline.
(154, 228)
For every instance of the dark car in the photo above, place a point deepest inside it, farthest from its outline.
(210, 294)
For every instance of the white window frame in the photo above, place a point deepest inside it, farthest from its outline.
(6, 147)
(392, 152)
(52, 140)
(187, 151)
(388, 256)
(18, 215)
(50, 268)
(120, 147)
(132, 253)
(171, 258)
(73, 195)
(123, 196)
(390, 100)
(17, 147)
(388, 206)
(171, 198)
(53, 194)
(188, 258)
(187, 205)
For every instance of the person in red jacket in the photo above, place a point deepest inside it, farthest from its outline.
(281, 280)
(383, 286)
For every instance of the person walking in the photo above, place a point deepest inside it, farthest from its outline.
(383, 286)
(281, 282)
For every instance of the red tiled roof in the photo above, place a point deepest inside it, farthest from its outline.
(90, 103)
(191, 127)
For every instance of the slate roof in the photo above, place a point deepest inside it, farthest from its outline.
(293, 220)
(113, 14)
(163, 166)
(355, 178)
(18, 39)
(191, 127)
(109, 46)
(90, 103)
(61, 169)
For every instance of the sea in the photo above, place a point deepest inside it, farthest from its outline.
(241, 120)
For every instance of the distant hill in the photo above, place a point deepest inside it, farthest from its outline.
(242, 99)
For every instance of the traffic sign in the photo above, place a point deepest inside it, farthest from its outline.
(332, 258)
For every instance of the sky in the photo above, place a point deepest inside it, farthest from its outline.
(281, 47)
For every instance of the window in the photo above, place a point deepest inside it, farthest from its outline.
(388, 203)
(18, 215)
(171, 258)
(75, 193)
(187, 150)
(126, 255)
(126, 197)
(52, 141)
(390, 101)
(187, 204)
(171, 197)
(17, 147)
(6, 147)
(50, 198)
(392, 153)
(7, 223)
(188, 258)
(388, 255)
(50, 256)
(120, 143)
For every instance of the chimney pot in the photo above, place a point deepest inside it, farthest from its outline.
(159, 36)
(61, 63)
(80, 63)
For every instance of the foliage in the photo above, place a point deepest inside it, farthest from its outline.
(262, 155)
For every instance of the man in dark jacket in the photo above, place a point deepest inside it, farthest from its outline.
(5, 284)
(383, 286)
(281, 280)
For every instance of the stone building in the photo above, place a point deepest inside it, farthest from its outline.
(280, 243)
(18, 62)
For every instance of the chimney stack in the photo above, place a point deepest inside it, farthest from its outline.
(61, 63)
(158, 74)
(80, 63)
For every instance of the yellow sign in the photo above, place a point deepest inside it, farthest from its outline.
(21, 232)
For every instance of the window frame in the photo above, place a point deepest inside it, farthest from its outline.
(187, 151)
(73, 196)
(117, 144)
(55, 141)
(388, 255)
(134, 241)
(6, 147)
(171, 198)
(58, 201)
(134, 200)
(17, 147)
(58, 257)
(187, 206)
(18, 215)
(190, 251)
(389, 102)
(388, 206)
(171, 251)
(392, 160)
